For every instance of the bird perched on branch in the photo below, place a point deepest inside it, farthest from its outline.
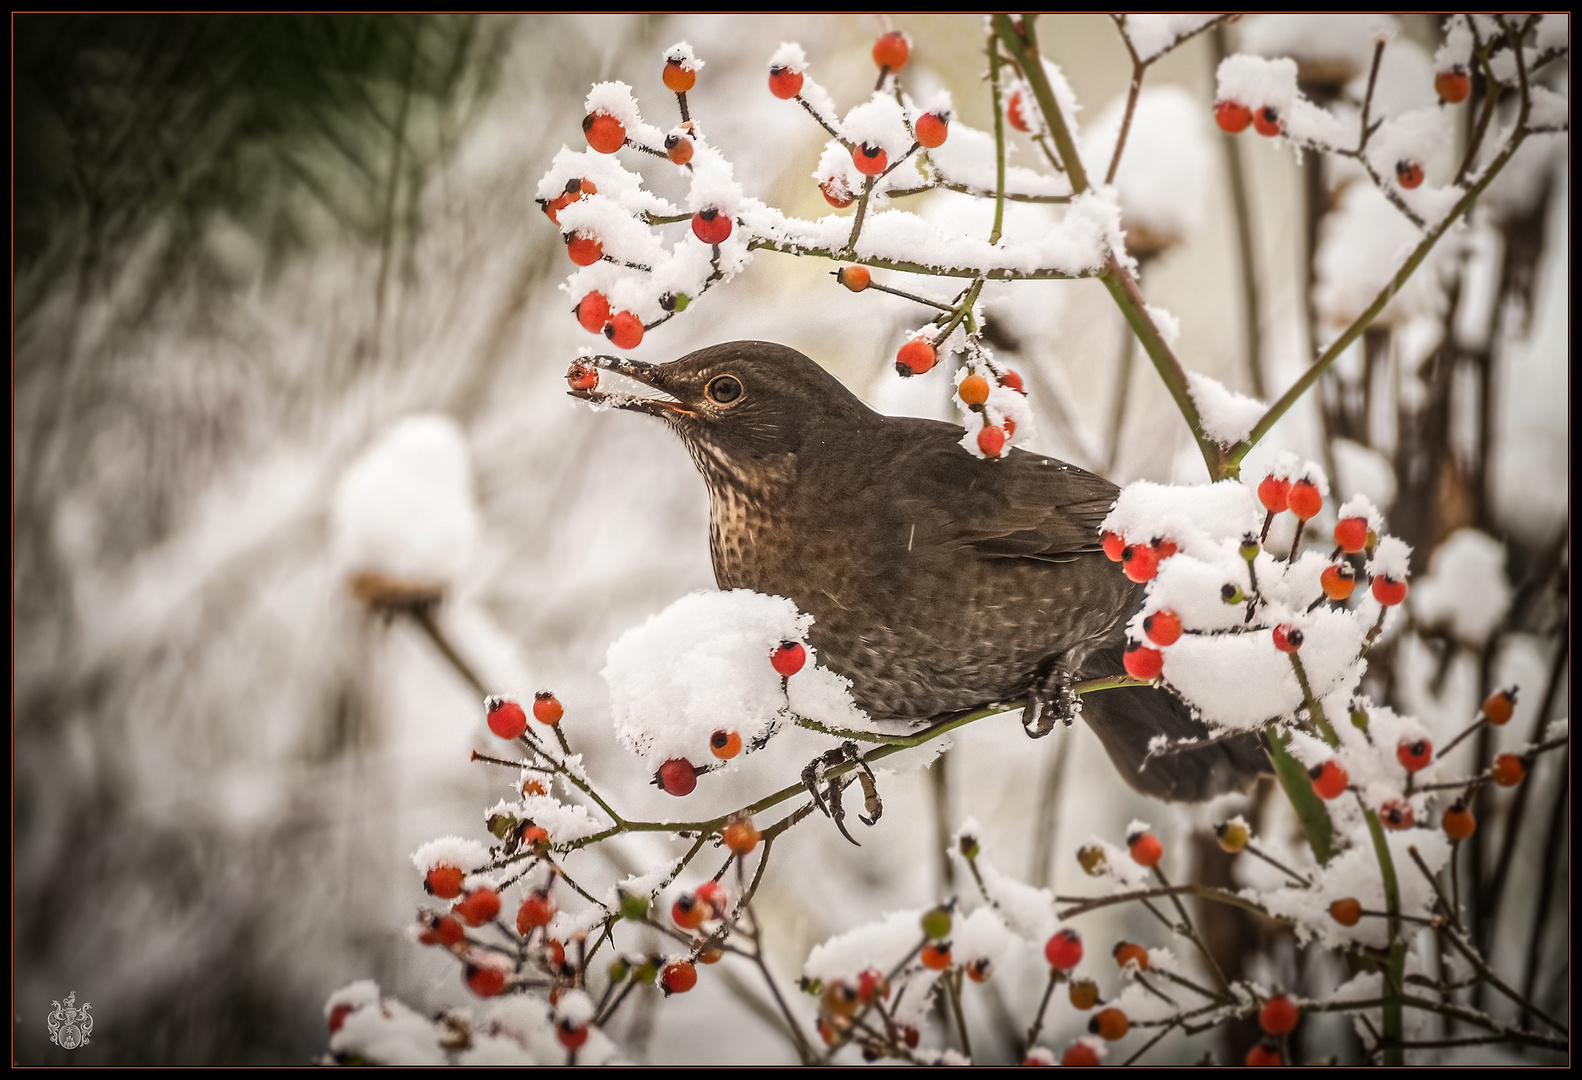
(938, 582)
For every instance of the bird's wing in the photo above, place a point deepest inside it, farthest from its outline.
(1021, 506)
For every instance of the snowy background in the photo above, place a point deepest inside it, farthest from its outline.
(264, 265)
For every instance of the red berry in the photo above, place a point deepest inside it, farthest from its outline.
(870, 160)
(440, 930)
(443, 881)
(1110, 1024)
(593, 312)
(678, 79)
(625, 330)
(678, 977)
(785, 83)
(678, 777)
(935, 957)
(1013, 112)
(555, 953)
(1279, 1015)
(1397, 814)
(932, 129)
(339, 1014)
(871, 986)
(479, 906)
(714, 895)
(536, 910)
(571, 1036)
(1267, 121)
(1500, 706)
(1114, 544)
(980, 969)
(1140, 562)
(1304, 500)
(1014, 381)
(725, 744)
(1388, 591)
(1346, 911)
(1330, 779)
(991, 440)
(1275, 494)
(485, 976)
(605, 133)
(1337, 581)
(1080, 1055)
(582, 376)
(1351, 534)
(1453, 86)
(1458, 821)
(553, 208)
(1508, 770)
(534, 835)
(711, 226)
(506, 718)
(741, 836)
(1064, 950)
(584, 250)
(1165, 548)
(1010, 427)
(1415, 755)
(1287, 639)
(547, 708)
(689, 912)
(788, 658)
(1163, 627)
(1265, 1055)
(1127, 952)
(916, 357)
(1146, 849)
(836, 193)
(840, 999)
(855, 278)
(973, 390)
(1144, 663)
(891, 51)
(678, 148)
(1408, 174)
(1232, 117)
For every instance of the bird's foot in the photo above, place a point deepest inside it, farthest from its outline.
(1051, 699)
(829, 800)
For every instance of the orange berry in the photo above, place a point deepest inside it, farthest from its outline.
(1084, 994)
(1500, 706)
(1408, 174)
(892, 50)
(1275, 494)
(1347, 911)
(1265, 1055)
(785, 83)
(536, 910)
(1127, 952)
(1388, 591)
(740, 835)
(486, 975)
(440, 929)
(1458, 821)
(932, 129)
(1351, 534)
(1163, 627)
(836, 193)
(678, 977)
(1453, 86)
(840, 999)
(1080, 1055)
(725, 744)
(678, 79)
(1414, 756)
(547, 708)
(1330, 779)
(443, 881)
(980, 969)
(1114, 545)
(1508, 770)
(1304, 499)
(605, 133)
(678, 148)
(1338, 581)
(916, 357)
(625, 330)
(688, 912)
(973, 390)
(1232, 117)
(1141, 662)
(870, 160)
(935, 957)
(1279, 1015)
(1109, 1024)
(1267, 121)
(479, 906)
(855, 278)
(1145, 848)
(584, 250)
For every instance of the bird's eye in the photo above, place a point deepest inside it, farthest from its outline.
(725, 389)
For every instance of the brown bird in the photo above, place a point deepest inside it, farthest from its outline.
(938, 582)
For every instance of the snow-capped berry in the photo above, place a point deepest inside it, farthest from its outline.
(991, 440)
(1347, 911)
(935, 956)
(1013, 112)
(1453, 86)
(1397, 814)
(1351, 534)
(547, 708)
(870, 160)
(534, 835)
(678, 77)
(1114, 544)
(339, 1014)
(1279, 1015)
(479, 906)
(571, 1035)
(932, 129)
(536, 910)
(1163, 627)
(1414, 755)
(871, 986)
(440, 929)
(506, 718)
(711, 226)
(936, 923)
(1330, 779)
(892, 50)
(582, 375)
(1409, 174)
(593, 312)
(584, 250)
(725, 744)
(836, 193)
(677, 777)
(625, 330)
(1141, 662)
(1092, 859)
(1109, 1024)
(1084, 994)
(1140, 562)
(1233, 837)
(1288, 639)
(1063, 950)
(1500, 706)
(1388, 591)
(443, 881)
(1080, 1055)
(1265, 1055)
(553, 207)
(916, 357)
(788, 658)
(1267, 121)
(1232, 117)
(740, 835)
(1146, 850)
(554, 954)
(714, 895)
(785, 83)
(1508, 770)
(973, 390)
(1164, 548)
(486, 975)
(1338, 581)
(1458, 821)
(1305, 500)
(1011, 380)
(605, 133)
(1275, 494)
(678, 148)
(678, 977)
(689, 912)
(1129, 952)
(840, 999)
(855, 278)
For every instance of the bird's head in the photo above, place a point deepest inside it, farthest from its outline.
(740, 400)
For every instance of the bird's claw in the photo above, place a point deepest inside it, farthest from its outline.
(829, 800)
(1051, 699)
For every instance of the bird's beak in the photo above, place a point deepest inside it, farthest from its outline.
(651, 376)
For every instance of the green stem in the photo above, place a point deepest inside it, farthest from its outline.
(1395, 969)
(1309, 807)
(999, 139)
(953, 990)
(1315, 708)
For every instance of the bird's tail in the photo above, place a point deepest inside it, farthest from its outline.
(1128, 721)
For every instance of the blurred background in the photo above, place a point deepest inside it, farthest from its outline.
(246, 247)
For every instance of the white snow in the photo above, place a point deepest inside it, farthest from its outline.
(1361, 245)
(1154, 35)
(465, 855)
(389, 1034)
(1228, 417)
(1391, 559)
(1162, 182)
(1465, 591)
(681, 53)
(1195, 517)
